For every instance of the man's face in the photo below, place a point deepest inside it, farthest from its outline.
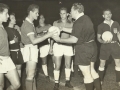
(63, 14)
(4, 15)
(35, 14)
(73, 12)
(12, 19)
(107, 15)
(42, 19)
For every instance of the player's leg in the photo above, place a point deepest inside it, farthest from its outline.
(95, 76)
(44, 50)
(72, 68)
(117, 69)
(53, 59)
(1, 81)
(105, 52)
(102, 69)
(18, 67)
(57, 71)
(30, 75)
(13, 77)
(68, 71)
(88, 80)
(116, 55)
(58, 53)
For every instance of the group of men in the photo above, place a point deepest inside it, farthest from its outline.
(79, 34)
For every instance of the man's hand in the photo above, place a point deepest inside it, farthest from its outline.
(56, 38)
(16, 39)
(107, 41)
(61, 28)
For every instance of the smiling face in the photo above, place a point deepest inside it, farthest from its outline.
(4, 15)
(107, 15)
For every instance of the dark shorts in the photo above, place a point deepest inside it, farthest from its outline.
(85, 53)
(16, 57)
(112, 49)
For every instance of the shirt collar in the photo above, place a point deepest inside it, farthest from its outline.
(80, 15)
(29, 20)
(107, 22)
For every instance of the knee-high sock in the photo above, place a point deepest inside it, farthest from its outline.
(72, 69)
(101, 73)
(97, 84)
(44, 67)
(95, 76)
(67, 74)
(89, 86)
(29, 84)
(117, 74)
(56, 76)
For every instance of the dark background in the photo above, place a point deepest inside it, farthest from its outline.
(50, 8)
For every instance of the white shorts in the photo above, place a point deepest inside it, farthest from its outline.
(30, 53)
(60, 50)
(44, 50)
(7, 64)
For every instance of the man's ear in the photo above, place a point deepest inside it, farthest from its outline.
(103, 16)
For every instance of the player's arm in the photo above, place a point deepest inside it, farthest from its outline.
(68, 30)
(70, 40)
(35, 40)
(39, 30)
(99, 38)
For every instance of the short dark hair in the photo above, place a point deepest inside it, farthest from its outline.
(9, 17)
(64, 8)
(2, 7)
(107, 10)
(32, 7)
(79, 7)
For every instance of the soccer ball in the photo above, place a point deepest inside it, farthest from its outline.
(52, 28)
(107, 36)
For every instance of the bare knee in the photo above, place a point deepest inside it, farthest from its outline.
(1, 87)
(16, 85)
(102, 63)
(87, 76)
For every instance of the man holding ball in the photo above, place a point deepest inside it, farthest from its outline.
(109, 45)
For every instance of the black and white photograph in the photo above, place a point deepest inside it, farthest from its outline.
(59, 44)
